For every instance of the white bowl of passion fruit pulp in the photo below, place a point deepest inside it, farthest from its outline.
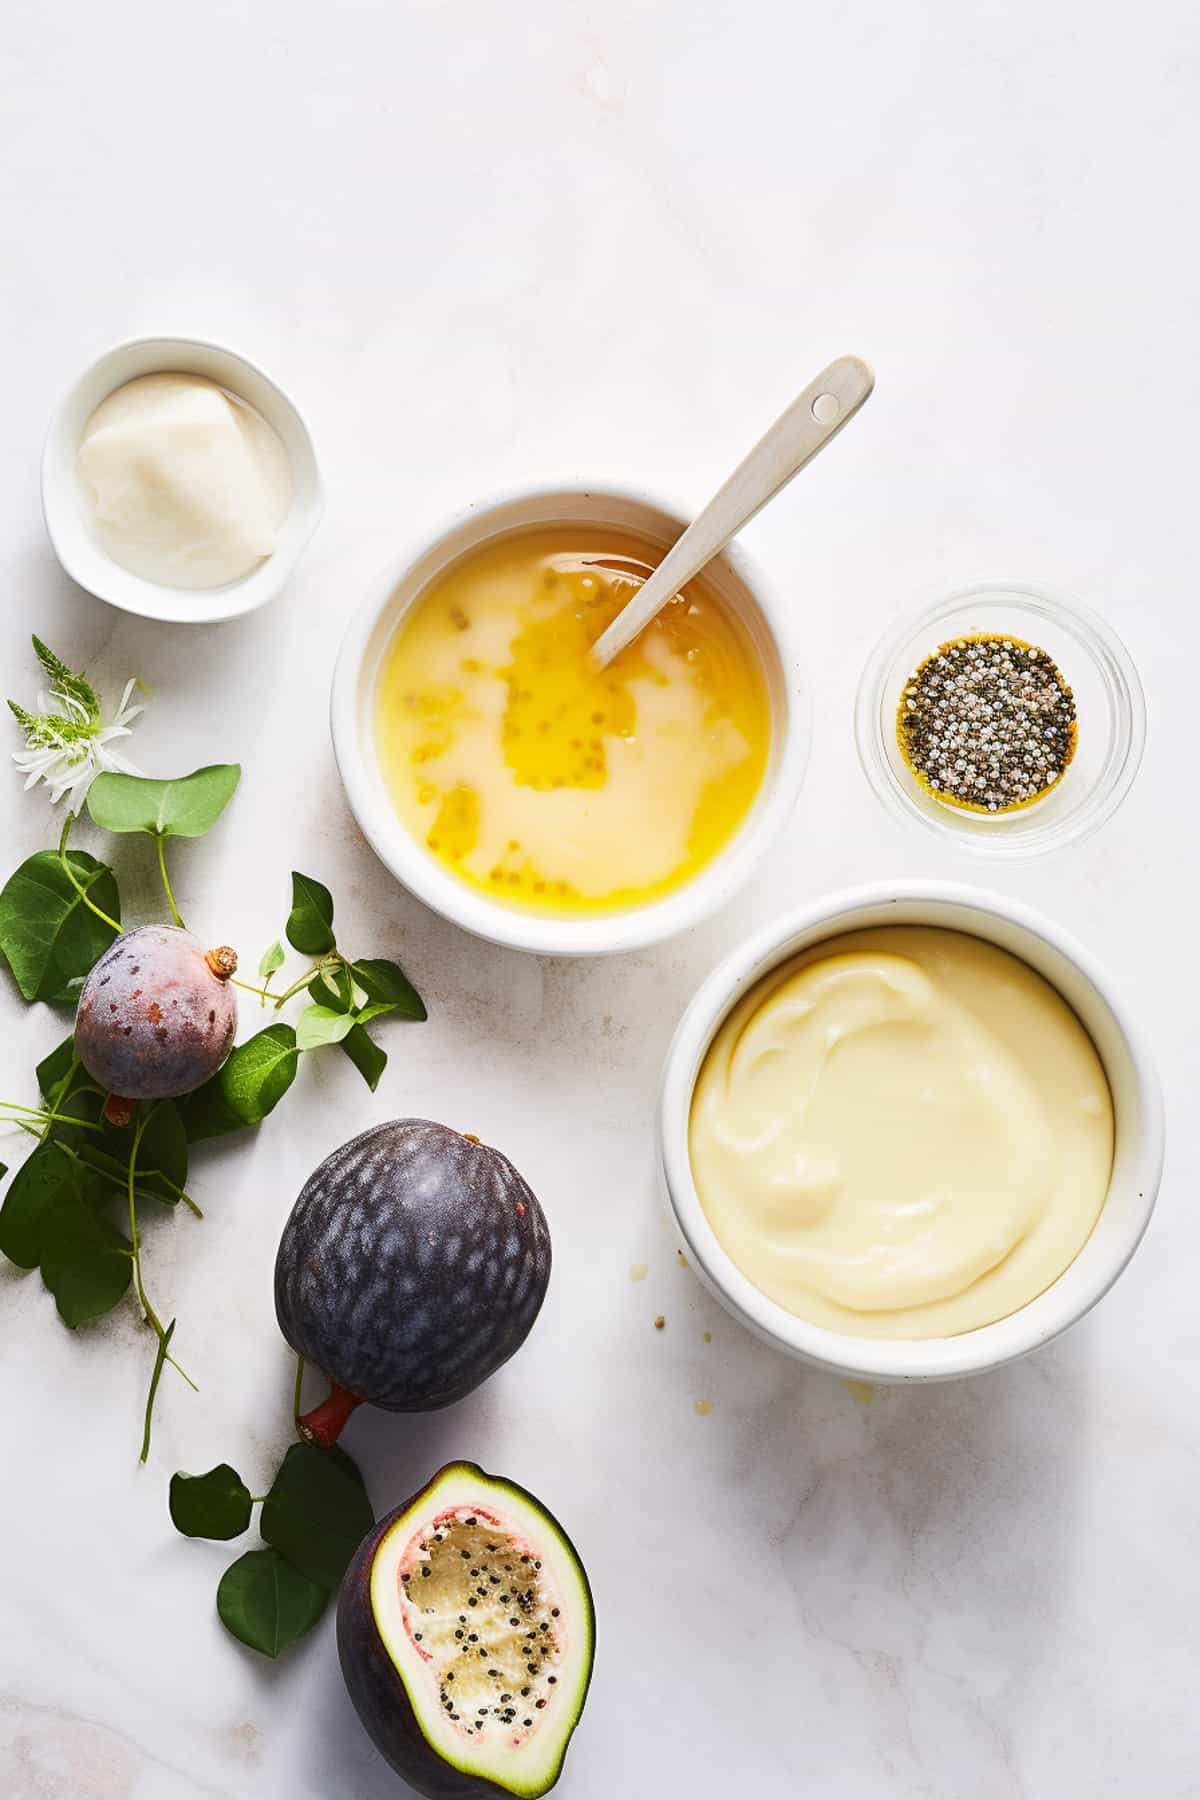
(1128, 1066)
(741, 588)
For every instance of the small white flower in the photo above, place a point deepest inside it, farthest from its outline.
(67, 741)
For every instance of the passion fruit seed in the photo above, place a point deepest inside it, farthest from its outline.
(987, 723)
(507, 1694)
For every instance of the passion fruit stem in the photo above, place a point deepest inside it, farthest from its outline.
(161, 1332)
(319, 965)
(159, 839)
(29, 1118)
(69, 872)
(222, 961)
(118, 1111)
(324, 1424)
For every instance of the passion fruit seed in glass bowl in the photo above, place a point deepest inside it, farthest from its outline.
(987, 723)
(1106, 711)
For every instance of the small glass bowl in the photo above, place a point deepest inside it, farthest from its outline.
(1110, 716)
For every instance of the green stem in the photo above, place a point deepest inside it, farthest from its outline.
(69, 872)
(159, 1361)
(296, 1391)
(56, 1099)
(159, 837)
(179, 1193)
(148, 1313)
(48, 1118)
(180, 1196)
(326, 962)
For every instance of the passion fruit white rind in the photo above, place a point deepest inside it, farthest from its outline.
(466, 1634)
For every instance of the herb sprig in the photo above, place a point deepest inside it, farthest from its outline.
(313, 1519)
(77, 1207)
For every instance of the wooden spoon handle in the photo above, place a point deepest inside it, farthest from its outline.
(813, 418)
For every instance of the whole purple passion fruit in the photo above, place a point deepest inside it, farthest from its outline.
(466, 1633)
(157, 1014)
(413, 1264)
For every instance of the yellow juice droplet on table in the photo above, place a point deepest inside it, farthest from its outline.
(542, 780)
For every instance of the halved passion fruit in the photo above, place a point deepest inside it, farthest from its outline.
(466, 1634)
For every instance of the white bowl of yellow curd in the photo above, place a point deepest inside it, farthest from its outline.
(910, 1132)
(532, 799)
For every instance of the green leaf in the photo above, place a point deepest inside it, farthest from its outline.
(49, 938)
(365, 1054)
(86, 1105)
(317, 1513)
(114, 1169)
(86, 1263)
(386, 984)
(186, 807)
(253, 1081)
(162, 1156)
(345, 1461)
(66, 1087)
(310, 923)
(53, 1070)
(42, 1178)
(271, 960)
(318, 1025)
(333, 987)
(259, 1072)
(266, 1603)
(376, 1010)
(213, 1505)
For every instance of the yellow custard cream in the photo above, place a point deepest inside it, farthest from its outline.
(543, 781)
(902, 1133)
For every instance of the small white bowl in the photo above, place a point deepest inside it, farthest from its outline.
(352, 715)
(1137, 1103)
(65, 507)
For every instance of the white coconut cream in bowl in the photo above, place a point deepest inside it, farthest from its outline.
(179, 481)
(525, 794)
(910, 1132)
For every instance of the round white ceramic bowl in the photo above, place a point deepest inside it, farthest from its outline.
(1137, 1103)
(743, 590)
(64, 504)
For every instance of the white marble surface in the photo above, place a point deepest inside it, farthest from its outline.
(482, 244)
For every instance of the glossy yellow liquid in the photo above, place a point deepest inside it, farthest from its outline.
(537, 778)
